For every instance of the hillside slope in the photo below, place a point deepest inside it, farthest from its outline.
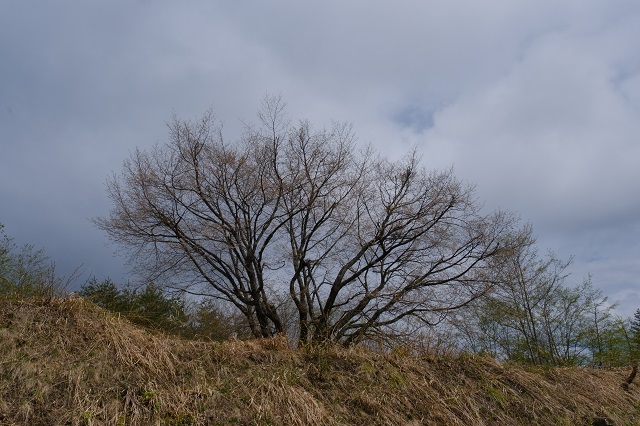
(69, 362)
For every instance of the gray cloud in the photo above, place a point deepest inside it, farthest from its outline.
(539, 104)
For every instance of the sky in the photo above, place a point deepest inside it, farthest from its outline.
(536, 103)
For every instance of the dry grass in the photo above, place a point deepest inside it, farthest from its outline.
(67, 362)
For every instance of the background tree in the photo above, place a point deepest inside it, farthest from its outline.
(359, 244)
(634, 335)
(209, 321)
(28, 272)
(105, 294)
(531, 316)
(148, 306)
(607, 335)
(153, 308)
(633, 344)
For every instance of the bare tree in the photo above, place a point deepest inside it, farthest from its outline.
(359, 244)
(532, 316)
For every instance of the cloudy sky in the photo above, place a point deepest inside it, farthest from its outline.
(538, 103)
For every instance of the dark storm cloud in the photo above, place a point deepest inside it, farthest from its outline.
(539, 104)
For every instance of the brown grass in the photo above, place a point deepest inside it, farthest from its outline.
(67, 362)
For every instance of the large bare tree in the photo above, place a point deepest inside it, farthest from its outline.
(294, 216)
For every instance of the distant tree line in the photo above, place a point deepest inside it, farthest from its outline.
(153, 308)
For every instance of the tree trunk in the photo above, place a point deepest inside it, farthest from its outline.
(634, 371)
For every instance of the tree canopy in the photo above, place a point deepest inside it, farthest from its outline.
(293, 218)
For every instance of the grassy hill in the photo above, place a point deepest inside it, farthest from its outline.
(67, 362)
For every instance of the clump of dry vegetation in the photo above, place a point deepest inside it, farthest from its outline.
(68, 362)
